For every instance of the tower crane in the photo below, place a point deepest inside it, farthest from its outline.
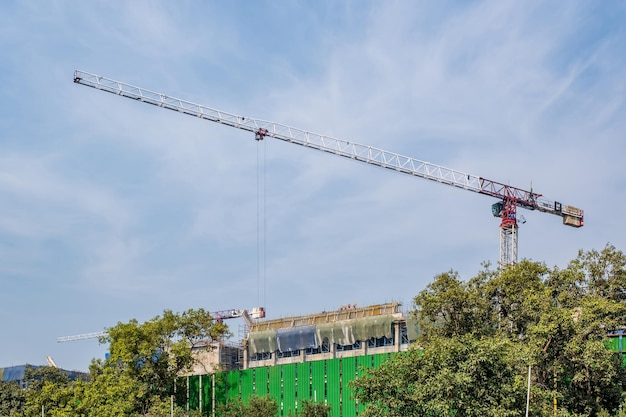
(248, 317)
(510, 198)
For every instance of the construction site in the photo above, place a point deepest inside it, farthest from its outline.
(316, 356)
(310, 357)
(349, 331)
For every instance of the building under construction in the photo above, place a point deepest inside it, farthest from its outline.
(349, 331)
(312, 357)
(318, 354)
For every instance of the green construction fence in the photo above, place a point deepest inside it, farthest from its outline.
(324, 381)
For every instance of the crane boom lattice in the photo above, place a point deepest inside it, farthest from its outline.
(248, 316)
(511, 197)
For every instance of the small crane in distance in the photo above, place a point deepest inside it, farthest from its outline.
(510, 198)
(247, 316)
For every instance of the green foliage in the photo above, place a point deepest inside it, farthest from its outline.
(12, 399)
(267, 407)
(135, 380)
(603, 273)
(37, 377)
(112, 392)
(256, 407)
(166, 408)
(50, 388)
(517, 298)
(233, 408)
(556, 321)
(462, 375)
(447, 307)
(314, 409)
(147, 357)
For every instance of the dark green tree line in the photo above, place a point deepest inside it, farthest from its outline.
(478, 338)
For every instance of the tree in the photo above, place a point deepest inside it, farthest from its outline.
(603, 273)
(587, 304)
(517, 297)
(36, 377)
(135, 380)
(449, 307)
(569, 342)
(452, 376)
(111, 392)
(234, 408)
(50, 388)
(256, 407)
(145, 358)
(314, 409)
(484, 333)
(12, 399)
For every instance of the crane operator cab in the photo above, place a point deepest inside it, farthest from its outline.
(496, 209)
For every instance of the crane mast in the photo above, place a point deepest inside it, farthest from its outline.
(510, 197)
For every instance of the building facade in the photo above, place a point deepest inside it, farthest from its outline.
(312, 357)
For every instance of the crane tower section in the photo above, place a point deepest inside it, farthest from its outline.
(509, 197)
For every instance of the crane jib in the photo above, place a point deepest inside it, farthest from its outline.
(511, 197)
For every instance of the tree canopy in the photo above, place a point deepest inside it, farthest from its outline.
(461, 375)
(136, 378)
(12, 399)
(478, 338)
(147, 357)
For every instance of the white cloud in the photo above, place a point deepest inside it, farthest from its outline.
(34, 185)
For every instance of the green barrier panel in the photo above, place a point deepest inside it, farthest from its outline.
(318, 373)
(333, 385)
(289, 389)
(380, 359)
(194, 392)
(612, 343)
(220, 388)
(247, 384)
(275, 383)
(304, 381)
(233, 380)
(261, 380)
(348, 373)
(206, 391)
(363, 364)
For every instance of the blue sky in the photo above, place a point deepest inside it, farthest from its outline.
(113, 210)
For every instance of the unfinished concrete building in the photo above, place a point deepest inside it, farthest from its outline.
(348, 331)
(312, 357)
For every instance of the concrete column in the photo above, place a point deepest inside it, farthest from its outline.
(398, 336)
(245, 356)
